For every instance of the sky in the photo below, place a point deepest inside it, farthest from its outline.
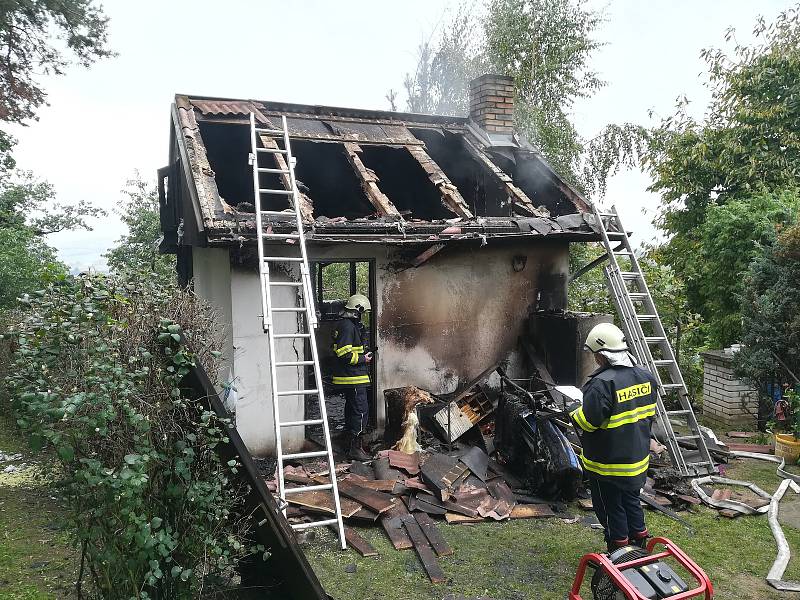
(105, 123)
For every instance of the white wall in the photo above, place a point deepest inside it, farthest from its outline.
(254, 411)
(212, 281)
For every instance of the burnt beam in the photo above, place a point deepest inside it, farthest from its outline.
(516, 195)
(306, 206)
(451, 197)
(369, 182)
(591, 265)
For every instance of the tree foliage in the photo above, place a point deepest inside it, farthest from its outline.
(747, 146)
(138, 249)
(42, 37)
(771, 312)
(97, 369)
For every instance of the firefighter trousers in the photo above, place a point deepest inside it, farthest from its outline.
(619, 512)
(356, 408)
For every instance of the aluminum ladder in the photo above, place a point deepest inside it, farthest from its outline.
(636, 307)
(266, 142)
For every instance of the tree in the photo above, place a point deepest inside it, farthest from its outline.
(138, 249)
(745, 147)
(545, 45)
(771, 313)
(27, 48)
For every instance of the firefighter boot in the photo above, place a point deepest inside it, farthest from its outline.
(357, 449)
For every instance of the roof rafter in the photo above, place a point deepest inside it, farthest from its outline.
(369, 182)
(451, 197)
(502, 178)
(306, 206)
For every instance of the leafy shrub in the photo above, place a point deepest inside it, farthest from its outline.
(96, 372)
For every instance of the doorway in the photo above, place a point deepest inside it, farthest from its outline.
(334, 282)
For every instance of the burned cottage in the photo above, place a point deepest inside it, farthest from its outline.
(455, 228)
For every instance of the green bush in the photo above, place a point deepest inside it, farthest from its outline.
(95, 375)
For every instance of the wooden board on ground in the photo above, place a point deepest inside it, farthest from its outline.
(742, 434)
(585, 503)
(431, 531)
(322, 501)
(375, 501)
(365, 515)
(356, 542)
(424, 550)
(379, 485)
(689, 499)
(760, 448)
(456, 518)
(532, 511)
(392, 524)
(731, 514)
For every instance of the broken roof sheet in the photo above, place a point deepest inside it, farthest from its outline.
(381, 175)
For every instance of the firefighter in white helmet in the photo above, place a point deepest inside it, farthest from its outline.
(619, 404)
(351, 374)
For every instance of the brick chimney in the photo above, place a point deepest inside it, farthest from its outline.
(491, 103)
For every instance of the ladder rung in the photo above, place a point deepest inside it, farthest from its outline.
(284, 336)
(312, 454)
(279, 192)
(283, 259)
(637, 295)
(286, 283)
(655, 339)
(647, 317)
(302, 423)
(281, 236)
(294, 363)
(290, 309)
(671, 386)
(629, 274)
(686, 438)
(324, 523)
(308, 488)
(269, 131)
(267, 170)
(607, 214)
(271, 150)
(702, 462)
(623, 253)
(298, 393)
(663, 363)
(678, 413)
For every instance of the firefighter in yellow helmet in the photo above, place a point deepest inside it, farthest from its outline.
(351, 373)
(615, 417)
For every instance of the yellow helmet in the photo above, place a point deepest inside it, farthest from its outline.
(606, 336)
(358, 302)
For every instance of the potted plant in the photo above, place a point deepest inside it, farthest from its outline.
(787, 445)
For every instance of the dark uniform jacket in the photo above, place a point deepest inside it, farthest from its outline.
(619, 404)
(348, 346)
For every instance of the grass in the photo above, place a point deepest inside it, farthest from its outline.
(36, 559)
(538, 558)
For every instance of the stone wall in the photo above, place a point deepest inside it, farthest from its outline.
(727, 401)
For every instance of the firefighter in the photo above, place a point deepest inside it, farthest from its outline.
(615, 417)
(351, 374)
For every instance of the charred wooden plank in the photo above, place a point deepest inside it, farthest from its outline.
(431, 531)
(375, 501)
(322, 501)
(424, 550)
(356, 542)
(392, 523)
(379, 485)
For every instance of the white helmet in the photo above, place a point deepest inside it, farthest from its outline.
(358, 302)
(605, 336)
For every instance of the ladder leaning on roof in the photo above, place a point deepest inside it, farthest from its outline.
(294, 254)
(635, 308)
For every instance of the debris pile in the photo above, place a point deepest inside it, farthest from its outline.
(406, 493)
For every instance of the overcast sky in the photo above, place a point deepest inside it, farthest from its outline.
(106, 122)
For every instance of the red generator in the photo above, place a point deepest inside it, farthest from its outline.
(632, 573)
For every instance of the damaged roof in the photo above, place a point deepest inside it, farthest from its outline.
(368, 176)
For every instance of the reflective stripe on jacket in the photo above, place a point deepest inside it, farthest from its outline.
(619, 404)
(348, 346)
